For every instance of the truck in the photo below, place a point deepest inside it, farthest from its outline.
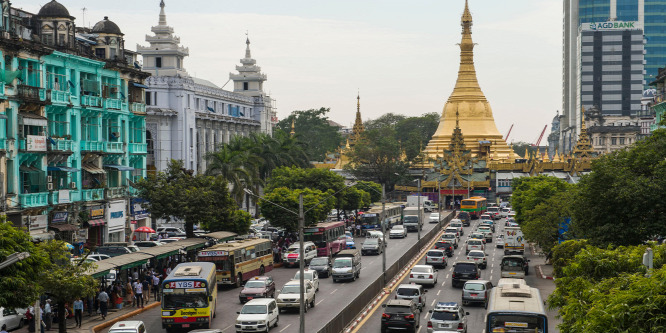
(413, 201)
(514, 242)
(413, 218)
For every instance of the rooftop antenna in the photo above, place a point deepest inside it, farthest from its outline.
(83, 10)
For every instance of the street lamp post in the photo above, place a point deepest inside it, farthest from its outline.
(418, 227)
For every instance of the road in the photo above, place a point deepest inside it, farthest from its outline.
(444, 291)
(330, 299)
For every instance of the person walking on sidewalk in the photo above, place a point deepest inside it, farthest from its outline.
(103, 299)
(48, 315)
(129, 294)
(156, 286)
(146, 289)
(138, 291)
(78, 311)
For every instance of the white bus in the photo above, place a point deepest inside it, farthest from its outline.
(516, 308)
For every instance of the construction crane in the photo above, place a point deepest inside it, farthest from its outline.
(540, 137)
(507, 134)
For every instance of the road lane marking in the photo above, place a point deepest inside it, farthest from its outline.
(333, 292)
(447, 276)
(491, 271)
(433, 301)
(443, 283)
(321, 300)
(282, 330)
(228, 327)
(439, 291)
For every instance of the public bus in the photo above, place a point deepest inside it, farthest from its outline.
(189, 296)
(239, 261)
(474, 205)
(516, 307)
(370, 219)
(329, 237)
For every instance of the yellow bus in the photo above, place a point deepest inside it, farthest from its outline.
(189, 296)
(474, 205)
(239, 261)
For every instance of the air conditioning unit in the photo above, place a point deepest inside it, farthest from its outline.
(49, 179)
(49, 186)
(72, 185)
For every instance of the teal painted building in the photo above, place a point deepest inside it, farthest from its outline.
(72, 127)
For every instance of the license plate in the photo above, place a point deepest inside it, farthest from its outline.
(186, 325)
(474, 295)
(512, 273)
(420, 276)
(443, 325)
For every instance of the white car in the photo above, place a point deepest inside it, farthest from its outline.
(453, 230)
(423, 274)
(478, 257)
(475, 244)
(458, 225)
(98, 256)
(451, 237)
(398, 231)
(289, 297)
(258, 315)
(434, 218)
(504, 212)
(310, 275)
(12, 318)
(376, 234)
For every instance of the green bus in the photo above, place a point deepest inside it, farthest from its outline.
(474, 205)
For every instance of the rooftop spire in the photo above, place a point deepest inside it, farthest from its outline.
(162, 14)
(293, 128)
(358, 127)
(247, 48)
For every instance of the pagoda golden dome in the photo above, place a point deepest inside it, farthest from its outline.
(468, 101)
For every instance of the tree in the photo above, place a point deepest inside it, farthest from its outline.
(373, 188)
(313, 129)
(314, 200)
(178, 193)
(528, 192)
(18, 286)
(64, 281)
(353, 199)
(299, 178)
(387, 120)
(520, 147)
(277, 151)
(235, 164)
(415, 132)
(616, 202)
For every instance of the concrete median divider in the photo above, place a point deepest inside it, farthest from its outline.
(364, 302)
(110, 322)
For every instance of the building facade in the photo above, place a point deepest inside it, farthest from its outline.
(658, 106)
(72, 127)
(188, 116)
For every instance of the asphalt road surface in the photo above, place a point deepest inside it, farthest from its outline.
(330, 299)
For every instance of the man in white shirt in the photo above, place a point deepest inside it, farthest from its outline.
(156, 285)
(48, 318)
(138, 291)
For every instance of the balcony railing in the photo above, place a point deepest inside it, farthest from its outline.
(138, 107)
(138, 148)
(31, 94)
(112, 103)
(92, 146)
(113, 147)
(30, 200)
(58, 96)
(91, 101)
(92, 194)
(3, 144)
(115, 192)
(61, 145)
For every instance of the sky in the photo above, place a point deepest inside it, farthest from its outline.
(400, 56)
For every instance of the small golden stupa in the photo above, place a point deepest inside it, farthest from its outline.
(475, 115)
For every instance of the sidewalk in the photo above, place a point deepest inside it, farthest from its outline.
(544, 270)
(95, 323)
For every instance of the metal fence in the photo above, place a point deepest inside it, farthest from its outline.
(360, 302)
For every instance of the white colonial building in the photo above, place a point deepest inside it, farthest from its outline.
(188, 117)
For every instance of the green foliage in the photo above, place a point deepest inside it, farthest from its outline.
(387, 120)
(235, 164)
(313, 129)
(605, 290)
(373, 188)
(288, 199)
(520, 147)
(353, 198)
(617, 202)
(18, 286)
(528, 192)
(415, 132)
(299, 178)
(177, 193)
(64, 281)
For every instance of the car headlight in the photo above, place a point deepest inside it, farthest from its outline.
(350, 270)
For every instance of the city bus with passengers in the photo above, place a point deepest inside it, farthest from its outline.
(329, 237)
(516, 307)
(189, 296)
(239, 261)
(370, 219)
(475, 206)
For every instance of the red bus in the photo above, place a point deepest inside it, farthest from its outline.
(328, 236)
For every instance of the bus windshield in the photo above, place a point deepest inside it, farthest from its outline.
(315, 238)
(341, 263)
(519, 323)
(369, 219)
(175, 301)
(470, 203)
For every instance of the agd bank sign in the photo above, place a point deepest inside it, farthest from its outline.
(612, 25)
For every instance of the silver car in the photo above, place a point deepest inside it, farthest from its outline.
(414, 292)
(449, 317)
(423, 274)
(436, 258)
(476, 291)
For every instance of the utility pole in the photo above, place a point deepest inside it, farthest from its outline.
(384, 232)
(418, 227)
(301, 257)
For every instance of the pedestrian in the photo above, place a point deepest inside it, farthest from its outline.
(156, 285)
(168, 270)
(29, 317)
(42, 325)
(138, 291)
(4, 328)
(48, 318)
(129, 294)
(78, 311)
(358, 230)
(103, 299)
(146, 288)
(135, 275)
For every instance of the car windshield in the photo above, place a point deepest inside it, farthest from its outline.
(307, 275)
(294, 289)
(255, 284)
(512, 262)
(477, 235)
(452, 230)
(254, 309)
(409, 292)
(473, 286)
(434, 215)
(465, 267)
(421, 269)
(411, 218)
(444, 315)
(476, 254)
(435, 254)
(397, 309)
(443, 244)
(448, 235)
(475, 242)
(319, 262)
(457, 224)
(398, 227)
(340, 263)
(371, 241)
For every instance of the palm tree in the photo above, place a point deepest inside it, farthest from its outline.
(236, 165)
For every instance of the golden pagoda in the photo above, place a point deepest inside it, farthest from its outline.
(358, 128)
(475, 115)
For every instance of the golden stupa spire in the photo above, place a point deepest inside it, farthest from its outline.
(475, 116)
(546, 158)
(358, 127)
(293, 128)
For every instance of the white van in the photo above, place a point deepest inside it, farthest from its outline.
(290, 258)
(130, 326)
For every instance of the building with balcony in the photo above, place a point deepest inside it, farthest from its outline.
(187, 116)
(659, 105)
(72, 126)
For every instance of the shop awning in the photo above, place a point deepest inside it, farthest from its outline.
(32, 119)
(96, 223)
(139, 85)
(118, 167)
(64, 227)
(92, 169)
(62, 168)
(159, 252)
(31, 169)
